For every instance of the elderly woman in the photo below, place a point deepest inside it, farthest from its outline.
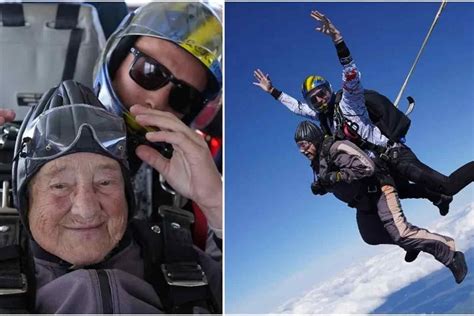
(72, 189)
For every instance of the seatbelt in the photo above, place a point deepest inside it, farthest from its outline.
(12, 14)
(16, 267)
(67, 18)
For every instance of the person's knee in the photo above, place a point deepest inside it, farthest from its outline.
(370, 239)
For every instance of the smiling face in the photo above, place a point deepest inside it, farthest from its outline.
(180, 63)
(77, 207)
(308, 149)
(320, 98)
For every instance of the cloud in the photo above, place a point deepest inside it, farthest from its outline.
(363, 287)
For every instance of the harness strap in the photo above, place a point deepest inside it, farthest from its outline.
(12, 14)
(15, 290)
(347, 129)
(371, 190)
(171, 264)
(66, 18)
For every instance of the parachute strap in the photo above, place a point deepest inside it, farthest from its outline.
(325, 150)
(15, 291)
(171, 262)
(370, 189)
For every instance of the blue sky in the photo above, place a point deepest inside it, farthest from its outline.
(280, 239)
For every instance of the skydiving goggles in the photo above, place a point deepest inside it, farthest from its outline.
(59, 130)
(151, 75)
(303, 145)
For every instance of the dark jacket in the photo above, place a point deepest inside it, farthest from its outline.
(354, 166)
(116, 285)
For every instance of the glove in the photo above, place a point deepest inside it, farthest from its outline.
(317, 188)
(331, 178)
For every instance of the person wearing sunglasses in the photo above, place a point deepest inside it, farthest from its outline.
(341, 168)
(164, 56)
(73, 244)
(345, 114)
(160, 70)
(162, 63)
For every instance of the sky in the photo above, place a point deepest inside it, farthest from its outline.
(281, 241)
(363, 287)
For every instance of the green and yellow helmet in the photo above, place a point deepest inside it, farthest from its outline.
(194, 26)
(314, 82)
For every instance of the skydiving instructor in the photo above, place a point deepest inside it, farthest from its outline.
(348, 118)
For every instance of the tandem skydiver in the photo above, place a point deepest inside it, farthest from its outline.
(340, 167)
(347, 117)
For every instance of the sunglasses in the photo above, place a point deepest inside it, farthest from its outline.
(314, 98)
(151, 75)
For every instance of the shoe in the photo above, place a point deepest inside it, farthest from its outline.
(411, 255)
(458, 267)
(443, 204)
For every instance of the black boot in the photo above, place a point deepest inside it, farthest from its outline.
(411, 255)
(443, 204)
(458, 266)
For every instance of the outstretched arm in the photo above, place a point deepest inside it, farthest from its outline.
(352, 104)
(292, 104)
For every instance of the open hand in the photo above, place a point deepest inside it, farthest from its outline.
(263, 81)
(326, 27)
(191, 170)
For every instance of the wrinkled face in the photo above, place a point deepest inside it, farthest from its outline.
(319, 98)
(307, 148)
(182, 65)
(77, 207)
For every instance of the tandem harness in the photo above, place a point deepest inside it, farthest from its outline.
(16, 264)
(346, 129)
(393, 124)
(370, 187)
(170, 262)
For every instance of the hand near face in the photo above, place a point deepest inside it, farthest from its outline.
(6, 115)
(191, 170)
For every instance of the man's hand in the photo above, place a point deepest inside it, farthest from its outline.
(317, 188)
(331, 178)
(191, 170)
(263, 81)
(6, 116)
(326, 26)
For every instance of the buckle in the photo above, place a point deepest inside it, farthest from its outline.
(13, 291)
(372, 189)
(384, 157)
(186, 275)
